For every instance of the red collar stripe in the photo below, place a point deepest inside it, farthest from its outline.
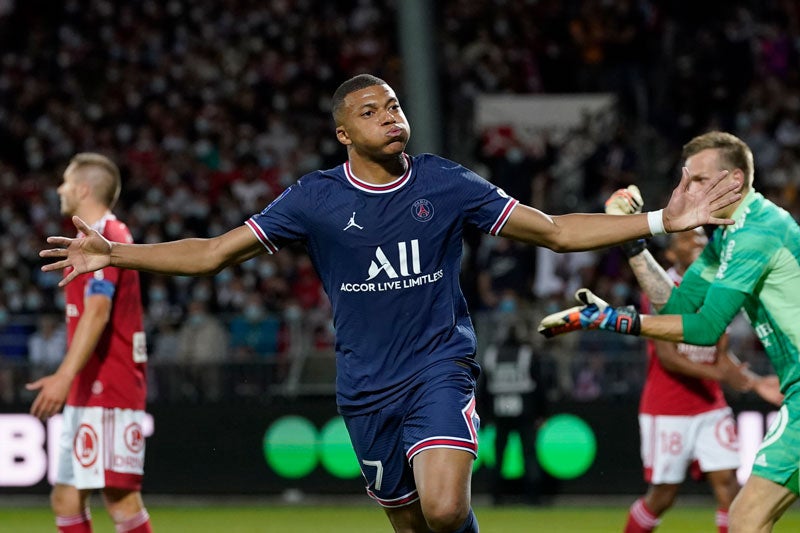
(371, 187)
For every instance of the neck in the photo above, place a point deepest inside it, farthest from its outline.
(378, 172)
(92, 214)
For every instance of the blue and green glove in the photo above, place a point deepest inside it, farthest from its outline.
(595, 313)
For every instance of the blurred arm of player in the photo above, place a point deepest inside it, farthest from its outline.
(185, 257)
(726, 368)
(767, 387)
(53, 389)
(653, 279)
(587, 231)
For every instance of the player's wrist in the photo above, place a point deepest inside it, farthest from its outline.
(655, 221)
(633, 248)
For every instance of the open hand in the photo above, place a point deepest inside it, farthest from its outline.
(692, 206)
(84, 254)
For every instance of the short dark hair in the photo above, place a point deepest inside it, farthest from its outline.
(356, 83)
(732, 150)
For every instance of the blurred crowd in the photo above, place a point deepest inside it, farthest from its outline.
(212, 108)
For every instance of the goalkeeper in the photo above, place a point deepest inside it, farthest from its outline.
(752, 265)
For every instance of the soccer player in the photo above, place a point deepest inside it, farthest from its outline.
(684, 420)
(102, 375)
(754, 265)
(384, 232)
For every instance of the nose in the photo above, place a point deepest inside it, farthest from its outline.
(389, 118)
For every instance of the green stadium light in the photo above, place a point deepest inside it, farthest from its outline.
(513, 465)
(290, 446)
(336, 450)
(566, 446)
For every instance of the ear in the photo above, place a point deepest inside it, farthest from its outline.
(738, 174)
(343, 136)
(84, 188)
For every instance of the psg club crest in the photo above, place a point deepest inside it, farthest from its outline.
(86, 445)
(422, 210)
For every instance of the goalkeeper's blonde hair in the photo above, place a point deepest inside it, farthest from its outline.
(733, 151)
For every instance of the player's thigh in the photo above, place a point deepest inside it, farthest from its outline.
(443, 477)
(758, 505)
(378, 442)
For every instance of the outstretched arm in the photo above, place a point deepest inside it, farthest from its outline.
(687, 209)
(188, 257)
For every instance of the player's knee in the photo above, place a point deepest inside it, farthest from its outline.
(122, 504)
(65, 501)
(443, 515)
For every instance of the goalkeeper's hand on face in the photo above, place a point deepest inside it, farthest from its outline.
(595, 313)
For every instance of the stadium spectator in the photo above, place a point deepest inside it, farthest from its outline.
(427, 371)
(202, 350)
(254, 332)
(102, 375)
(12, 356)
(46, 346)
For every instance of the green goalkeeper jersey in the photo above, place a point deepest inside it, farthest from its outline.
(753, 264)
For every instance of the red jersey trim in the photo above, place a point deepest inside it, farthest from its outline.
(402, 501)
(380, 189)
(261, 236)
(504, 216)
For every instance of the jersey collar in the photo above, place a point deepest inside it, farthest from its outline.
(380, 189)
(100, 225)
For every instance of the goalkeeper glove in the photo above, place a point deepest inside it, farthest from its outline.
(627, 202)
(594, 314)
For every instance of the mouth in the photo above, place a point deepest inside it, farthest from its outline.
(395, 131)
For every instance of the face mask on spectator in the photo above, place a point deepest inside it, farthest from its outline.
(253, 313)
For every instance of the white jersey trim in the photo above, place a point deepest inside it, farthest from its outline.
(379, 189)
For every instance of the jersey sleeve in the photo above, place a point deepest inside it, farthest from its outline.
(282, 221)
(716, 285)
(486, 206)
(705, 327)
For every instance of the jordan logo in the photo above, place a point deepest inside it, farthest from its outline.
(352, 223)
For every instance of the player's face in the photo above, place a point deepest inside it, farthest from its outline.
(373, 122)
(687, 246)
(69, 192)
(706, 165)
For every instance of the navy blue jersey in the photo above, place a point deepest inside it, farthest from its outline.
(389, 257)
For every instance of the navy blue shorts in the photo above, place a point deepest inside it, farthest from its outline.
(437, 411)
